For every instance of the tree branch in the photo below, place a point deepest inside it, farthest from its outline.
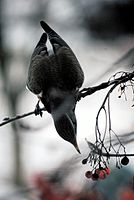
(99, 152)
(8, 120)
(90, 90)
(82, 93)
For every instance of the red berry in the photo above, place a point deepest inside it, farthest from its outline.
(88, 174)
(97, 171)
(107, 170)
(125, 160)
(102, 174)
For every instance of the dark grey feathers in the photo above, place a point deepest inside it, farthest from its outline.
(57, 78)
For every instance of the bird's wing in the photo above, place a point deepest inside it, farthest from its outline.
(39, 66)
(71, 72)
(41, 48)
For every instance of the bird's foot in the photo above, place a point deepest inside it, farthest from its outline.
(38, 110)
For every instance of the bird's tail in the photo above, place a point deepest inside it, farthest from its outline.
(41, 46)
(42, 40)
(53, 36)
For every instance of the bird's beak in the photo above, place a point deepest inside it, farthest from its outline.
(77, 148)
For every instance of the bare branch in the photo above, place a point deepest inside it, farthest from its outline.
(98, 151)
(83, 93)
(8, 120)
(88, 91)
(100, 154)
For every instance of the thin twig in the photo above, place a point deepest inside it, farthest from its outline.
(8, 120)
(115, 155)
(98, 151)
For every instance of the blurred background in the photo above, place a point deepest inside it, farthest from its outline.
(100, 32)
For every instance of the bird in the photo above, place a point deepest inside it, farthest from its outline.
(56, 79)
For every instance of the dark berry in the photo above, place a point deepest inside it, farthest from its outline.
(125, 160)
(84, 161)
(95, 176)
(88, 174)
(97, 171)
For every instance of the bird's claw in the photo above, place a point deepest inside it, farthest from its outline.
(38, 110)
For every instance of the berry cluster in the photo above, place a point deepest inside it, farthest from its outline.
(100, 173)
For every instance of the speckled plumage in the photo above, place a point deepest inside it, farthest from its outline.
(58, 78)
